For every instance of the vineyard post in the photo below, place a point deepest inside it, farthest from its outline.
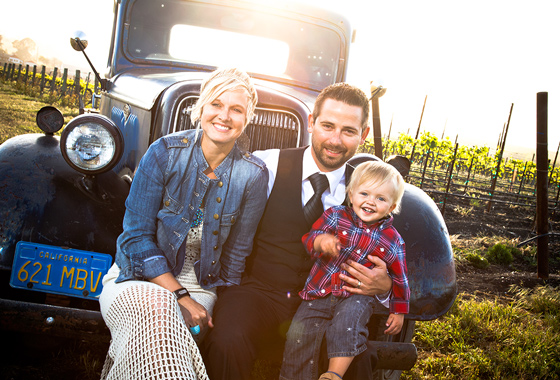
(449, 179)
(390, 127)
(521, 182)
(43, 78)
(500, 154)
(19, 72)
(468, 175)
(12, 71)
(418, 130)
(34, 74)
(542, 191)
(64, 81)
(26, 75)
(5, 67)
(425, 165)
(53, 80)
(77, 87)
(376, 93)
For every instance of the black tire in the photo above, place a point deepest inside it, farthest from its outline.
(405, 336)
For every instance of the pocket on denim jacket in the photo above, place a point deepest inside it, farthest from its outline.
(226, 222)
(170, 206)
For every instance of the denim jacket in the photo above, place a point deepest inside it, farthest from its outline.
(168, 188)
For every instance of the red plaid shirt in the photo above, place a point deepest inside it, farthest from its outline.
(358, 240)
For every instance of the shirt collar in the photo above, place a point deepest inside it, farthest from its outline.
(310, 167)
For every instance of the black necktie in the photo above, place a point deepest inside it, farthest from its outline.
(313, 209)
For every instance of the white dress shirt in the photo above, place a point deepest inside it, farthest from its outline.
(333, 196)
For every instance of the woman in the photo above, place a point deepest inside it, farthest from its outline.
(191, 214)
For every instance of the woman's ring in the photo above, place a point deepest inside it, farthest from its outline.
(195, 330)
(359, 284)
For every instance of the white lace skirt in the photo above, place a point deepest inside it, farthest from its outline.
(149, 337)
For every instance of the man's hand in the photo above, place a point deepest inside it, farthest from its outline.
(327, 244)
(394, 324)
(367, 281)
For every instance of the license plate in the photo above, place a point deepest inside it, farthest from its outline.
(58, 270)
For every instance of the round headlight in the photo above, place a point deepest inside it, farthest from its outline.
(91, 144)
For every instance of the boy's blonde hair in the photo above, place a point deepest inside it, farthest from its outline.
(220, 81)
(378, 173)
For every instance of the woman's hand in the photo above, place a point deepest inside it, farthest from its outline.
(194, 313)
(367, 281)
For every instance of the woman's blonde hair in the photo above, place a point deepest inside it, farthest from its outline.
(378, 173)
(220, 81)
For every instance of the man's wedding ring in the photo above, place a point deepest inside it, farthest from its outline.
(359, 284)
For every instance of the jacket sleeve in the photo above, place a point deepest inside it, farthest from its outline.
(239, 242)
(138, 240)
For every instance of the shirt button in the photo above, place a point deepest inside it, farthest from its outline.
(167, 203)
(186, 140)
(367, 230)
(344, 233)
(215, 248)
(232, 220)
(323, 291)
(382, 249)
(216, 216)
(359, 251)
(219, 200)
(213, 262)
(214, 232)
(220, 184)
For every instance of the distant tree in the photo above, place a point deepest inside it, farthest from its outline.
(25, 49)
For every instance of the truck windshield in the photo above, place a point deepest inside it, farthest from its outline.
(178, 31)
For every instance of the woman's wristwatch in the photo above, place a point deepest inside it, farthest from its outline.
(180, 293)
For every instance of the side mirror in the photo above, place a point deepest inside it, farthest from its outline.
(79, 41)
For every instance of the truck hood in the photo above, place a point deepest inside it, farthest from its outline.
(141, 87)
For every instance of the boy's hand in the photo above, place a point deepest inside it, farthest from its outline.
(394, 324)
(327, 244)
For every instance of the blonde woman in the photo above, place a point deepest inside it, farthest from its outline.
(191, 215)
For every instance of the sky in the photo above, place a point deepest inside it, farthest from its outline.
(470, 61)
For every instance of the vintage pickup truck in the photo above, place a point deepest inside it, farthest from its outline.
(62, 197)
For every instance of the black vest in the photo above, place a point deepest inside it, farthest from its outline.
(279, 261)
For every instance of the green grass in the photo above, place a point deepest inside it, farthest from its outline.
(491, 340)
(18, 111)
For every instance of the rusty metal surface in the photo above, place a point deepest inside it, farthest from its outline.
(53, 320)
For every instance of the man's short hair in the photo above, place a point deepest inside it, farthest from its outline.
(345, 93)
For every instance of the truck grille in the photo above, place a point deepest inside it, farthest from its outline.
(268, 129)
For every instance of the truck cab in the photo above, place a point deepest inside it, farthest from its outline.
(62, 200)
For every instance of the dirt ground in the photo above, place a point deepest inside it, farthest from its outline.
(509, 222)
